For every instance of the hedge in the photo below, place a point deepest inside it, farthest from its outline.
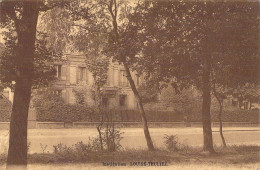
(66, 113)
(79, 113)
(238, 115)
(171, 116)
(74, 113)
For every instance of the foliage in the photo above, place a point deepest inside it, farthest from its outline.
(109, 139)
(51, 107)
(186, 101)
(176, 35)
(44, 54)
(28, 146)
(43, 71)
(81, 115)
(98, 66)
(20, 18)
(77, 27)
(111, 143)
(248, 92)
(148, 93)
(5, 110)
(43, 147)
(234, 156)
(83, 92)
(197, 43)
(171, 142)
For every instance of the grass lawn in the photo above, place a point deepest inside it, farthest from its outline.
(232, 157)
(133, 138)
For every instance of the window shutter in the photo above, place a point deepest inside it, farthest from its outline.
(57, 71)
(63, 72)
(78, 74)
(63, 95)
(84, 74)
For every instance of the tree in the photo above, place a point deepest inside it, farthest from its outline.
(20, 19)
(185, 101)
(26, 36)
(247, 92)
(101, 24)
(183, 42)
(220, 95)
(148, 93)
(124, 49)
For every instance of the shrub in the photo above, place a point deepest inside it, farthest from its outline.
(109, 138)
(171, 142)
(80, 150)
(43, 147)
(28, 146)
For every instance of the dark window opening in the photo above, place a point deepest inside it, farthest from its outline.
(58, 71)
(58, 92)
(104, 102)
(123, 82)
(122, 100)
(82, 74)
(234, 103)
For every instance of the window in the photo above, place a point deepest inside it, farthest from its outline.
(122, 100)
(61, 93)
(58, 92)
(82, 74)
(61, 72)
(105, 102)
(58, 71)
(123, 80)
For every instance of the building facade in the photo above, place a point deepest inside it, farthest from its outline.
(116, 92)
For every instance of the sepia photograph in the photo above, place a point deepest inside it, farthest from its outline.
(129, 84)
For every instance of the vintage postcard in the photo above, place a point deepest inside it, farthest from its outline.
(129, 84)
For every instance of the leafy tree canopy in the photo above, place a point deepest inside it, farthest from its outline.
(177, 35)
(11, 23)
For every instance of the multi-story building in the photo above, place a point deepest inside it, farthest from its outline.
(116, 93)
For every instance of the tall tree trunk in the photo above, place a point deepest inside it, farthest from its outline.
(206, 119)
(26, 32)
(220, 101)
(98, 103)
(141, 109)
(220, 122)
(122, 58)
